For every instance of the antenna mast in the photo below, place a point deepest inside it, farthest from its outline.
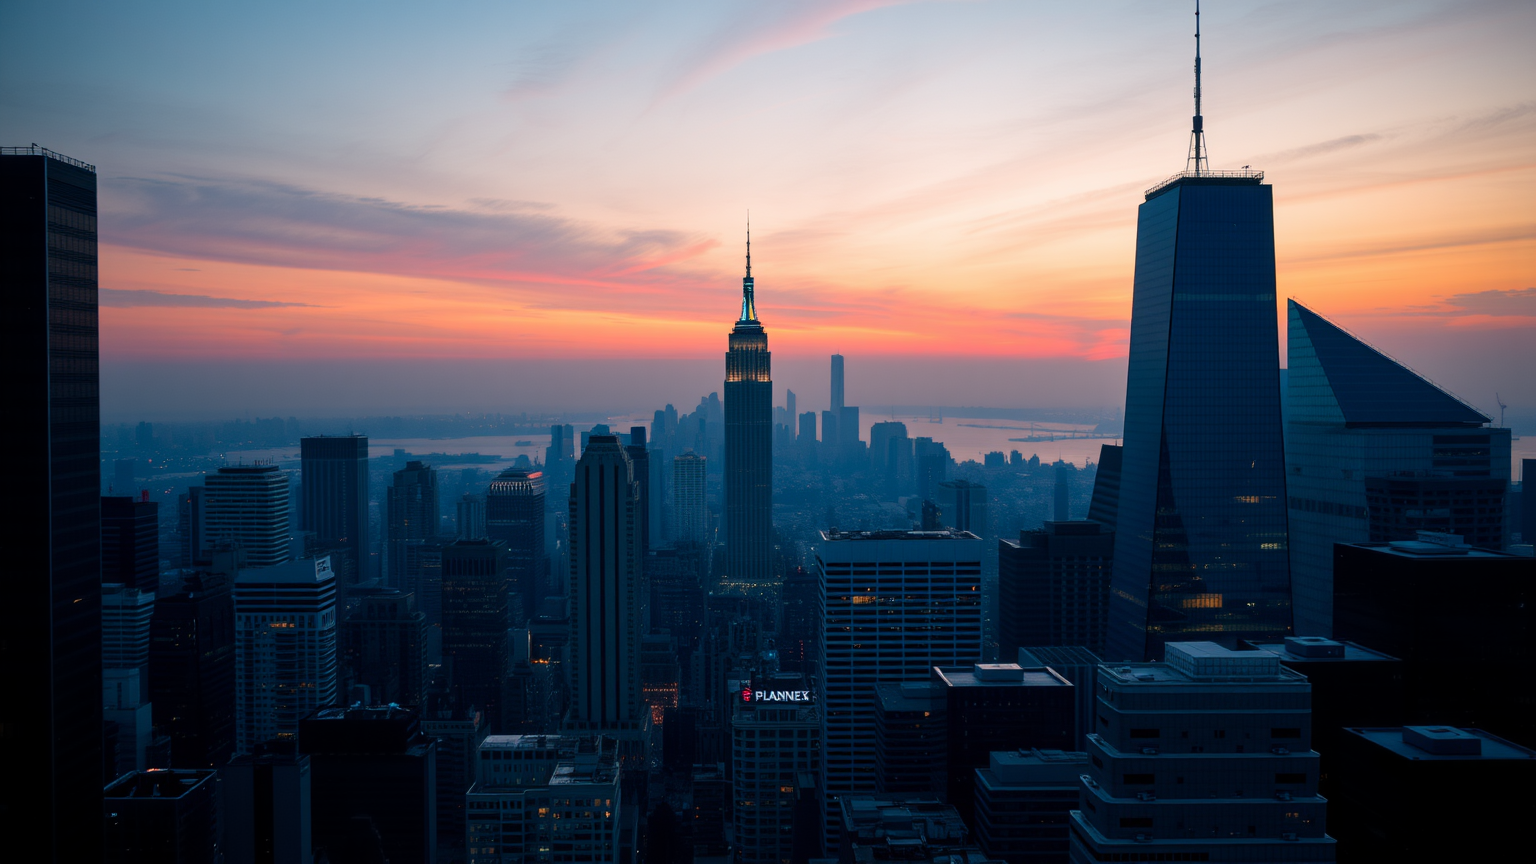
(1198, 162)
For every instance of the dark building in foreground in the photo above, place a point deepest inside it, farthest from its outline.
(1023, 798)
(910, 745)
(1200, 529)
(160, 817)
(514, 514)
(385, 646)
(1351, 686)
(1105, 503)
(1053, 586)
(1206, 757)
(1430, 793)
(374, 780)
(998, 706)
(1081, 668)
(748, 444)
(1463, 621)
(267, 799)
(50, 718)
(884, 828)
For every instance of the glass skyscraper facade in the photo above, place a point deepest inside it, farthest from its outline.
(1201, 550)
(1375, 453)
(50, 718)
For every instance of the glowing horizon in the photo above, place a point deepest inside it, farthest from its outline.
(929, 179)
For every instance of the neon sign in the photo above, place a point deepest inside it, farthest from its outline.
(797, 697)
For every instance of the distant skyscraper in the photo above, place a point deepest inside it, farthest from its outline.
(125, 625)
(412, 516)
(1200, 541)
(386, 647)
(50, 718)
(335, 488)
(470, 511)
(807, 431)
(789, 404)
(963, 506)
(248, 505)
(837, 384)
(748, 444)
(923, 609)
(475, 621)
(690, 515)
(285, 648)
(1374, 449)
(640, 459)
(605, 592)
(514, 514)
(189, 526)
(130, 542)
(1063, 489)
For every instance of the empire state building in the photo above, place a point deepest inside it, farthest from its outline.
(748, 443)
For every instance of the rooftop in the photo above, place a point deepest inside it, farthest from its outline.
(1058, 655)
(1315, 649)
(35, 150)
(1204, 663)
(1033, 767)
(305, 571)
(168, 783)
(1421, 550)
(897, 534)
(1442, 743)
(997, 675)
(1239, 177)
(909, 696)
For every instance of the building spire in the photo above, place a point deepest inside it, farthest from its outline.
(1198, 162)
(748, 303)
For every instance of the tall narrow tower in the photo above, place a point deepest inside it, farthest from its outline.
(748, 442)
(1201, 541)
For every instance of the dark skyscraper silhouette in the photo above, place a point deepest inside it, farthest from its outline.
(1200, 543)
(130, 542)
(335, 491)
(748, 443)
(192, 671)
(475, 623)
(411, 513)
(514, 514)
(51, 711)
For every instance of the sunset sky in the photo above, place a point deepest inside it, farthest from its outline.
(354, 207)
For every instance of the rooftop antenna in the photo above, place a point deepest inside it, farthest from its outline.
(748, 301)
(749, 244)
(1502, 406)
(1198, 162)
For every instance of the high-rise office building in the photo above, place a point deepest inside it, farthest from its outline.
(192, 670)
(1062, 507)
(775, 740)
(1079, 666)
(1374, 449)
(1024, 799)
(475, 596)
(640, 462)
(411, 519)
(605, 592)
(837, 402)
(458, 733)
(1200, 539)
(130, 542)
(248, 505)
(1053, 586)
(334, 477)
(1105, 503)
(963, 506)
(50, 720)
(470, 517)
(285, 648)
(125, 633)
(910, 745)
(189, 527)
(267, 797)
(998, 706)
(522, 800)
(748, 444)
(690, 513)
(371, 765)
(1462, 620)
(893, 604)
(807, 432)
(514, 514)
(1206, 757)
(160, 817)
(385, 645)
(125, 626)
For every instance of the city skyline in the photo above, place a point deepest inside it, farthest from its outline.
(245, 235)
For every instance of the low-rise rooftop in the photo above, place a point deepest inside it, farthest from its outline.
(997, 675)
(1442, 743)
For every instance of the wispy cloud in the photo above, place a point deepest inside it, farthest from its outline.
(1511, 302)
(121, 298)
